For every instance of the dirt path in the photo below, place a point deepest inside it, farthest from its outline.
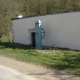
(11, 74)
(35, 71)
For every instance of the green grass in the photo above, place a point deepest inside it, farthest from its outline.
(5, 39)
(64, 60)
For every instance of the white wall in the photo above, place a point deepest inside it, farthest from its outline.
(61, 30)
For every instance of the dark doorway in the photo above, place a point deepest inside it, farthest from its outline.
(33, 39)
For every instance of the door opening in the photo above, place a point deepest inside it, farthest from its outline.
(33, 39)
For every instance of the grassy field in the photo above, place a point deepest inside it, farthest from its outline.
(61, 59)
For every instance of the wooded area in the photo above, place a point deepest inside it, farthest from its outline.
(11, 8)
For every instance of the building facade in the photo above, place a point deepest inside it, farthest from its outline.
(61, 30)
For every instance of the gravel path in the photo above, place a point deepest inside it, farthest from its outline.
(35, 71)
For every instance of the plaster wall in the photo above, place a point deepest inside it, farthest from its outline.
(61, 30)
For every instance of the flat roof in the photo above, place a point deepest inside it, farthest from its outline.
(70, 11)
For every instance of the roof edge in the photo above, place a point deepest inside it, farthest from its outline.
(69, 11)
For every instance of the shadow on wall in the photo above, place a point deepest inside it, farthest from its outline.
(14, 46)
(25, 47)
